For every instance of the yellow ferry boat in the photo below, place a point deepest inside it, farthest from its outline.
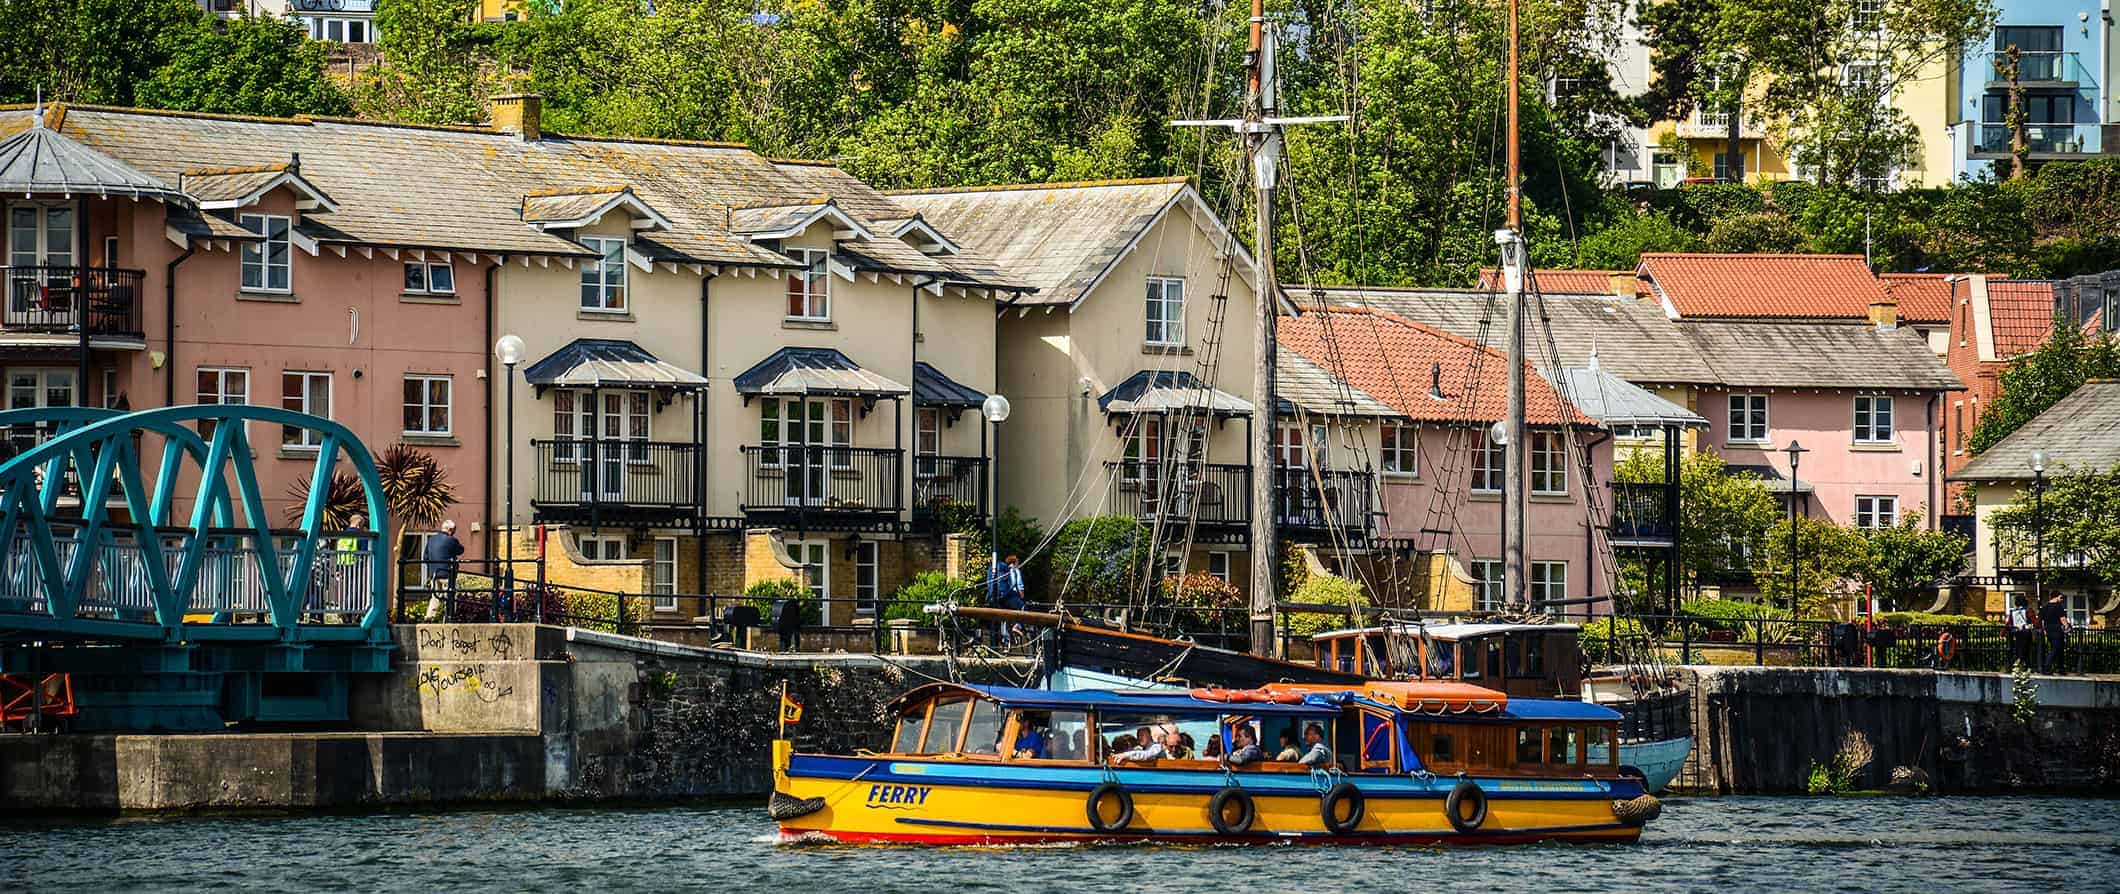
(1381, 762)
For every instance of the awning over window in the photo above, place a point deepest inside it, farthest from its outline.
(815, 371)
(1614, 401)
(609, 363)
(933, 389)
(1166, 391)
(42, 161)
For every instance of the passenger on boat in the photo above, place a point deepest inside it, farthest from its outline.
(1315, 754)
(1168, 745)
(1288, 752)
(1214, 746)
(1184, 751)
(1030, 740)
(1247, 751)
(1122, 744)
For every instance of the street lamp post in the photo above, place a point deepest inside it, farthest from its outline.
(1795, 451)
(509, 351)
(995, 409)
(2038, 529)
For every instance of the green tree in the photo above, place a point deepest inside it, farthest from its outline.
(2079, 513)
(431, 61)
(1099, 559)
(252, 66)
(1907, 560)
(2038, 380)
(1830, 559)
(1620, 243)
(1762, 231)
(1724, 516)
(90, 51)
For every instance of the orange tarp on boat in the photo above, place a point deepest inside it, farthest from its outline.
(1413, 695)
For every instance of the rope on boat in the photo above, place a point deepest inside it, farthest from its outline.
(1637, 811)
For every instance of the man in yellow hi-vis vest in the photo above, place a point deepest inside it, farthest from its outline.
(347, 550)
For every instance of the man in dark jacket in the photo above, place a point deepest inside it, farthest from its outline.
(441, 555)
(2053, 618)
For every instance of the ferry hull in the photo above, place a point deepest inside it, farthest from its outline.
(880, 800)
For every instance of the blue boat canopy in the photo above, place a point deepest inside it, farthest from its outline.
(1142, 700)
(1556, 709)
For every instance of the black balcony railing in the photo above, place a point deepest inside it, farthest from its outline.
(615, 482)
(948, 490)
(1640, 513)
(58, 298)
(1211, 494)
(822, 482)
(1317, 503)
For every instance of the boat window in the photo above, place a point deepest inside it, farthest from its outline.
(983, 734)
(943, 726)
(1376, 655)
(1051, 735)
(1442, 749)
(1442, 660)
(1471, 659)
(1377, 737)
(1528, 745)
(1513, 655)
(1494, 656)
(1534, 655)
(1560, 745)
(1125, 732)
(906, 739)
(1600, 745)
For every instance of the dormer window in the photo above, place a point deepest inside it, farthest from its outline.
(604, 278)
(810, 288)
(266, 264)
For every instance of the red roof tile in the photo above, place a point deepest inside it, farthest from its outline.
(1574, 282)
(1393, 359)
(2021, 311)
(1922, 297)
(1739, 285)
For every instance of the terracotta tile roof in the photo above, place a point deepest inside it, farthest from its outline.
(1787, 286)
(1574, 282)
(1922, 297)
(2021, 312)
(1394, 360)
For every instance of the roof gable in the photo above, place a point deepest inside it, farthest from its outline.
(563, 209)
(1763, 285)
(2076, 433)
(223, 189)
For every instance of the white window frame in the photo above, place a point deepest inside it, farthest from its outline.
(110, 388)
(427, 405)
(1163, 315)
(223, 376)
(259, 256)
(1141, 451)
(662, 574)
(576, 419)
(815, 554)
(838, 429)
(812, 283)
(1873, 512)
(426, 272)
(868, 570)
(51, 232)
(927, 442)
(40, 392)
(1219, 557)
(601, 547)
(1399, 449)
(1292, 447)
(1549, 463)
(1874, 416)
(1489, 477)
(1549, 581)
(305, 438)
(1487, 582)
(319, 29)
(603, 279)
(1741, 427)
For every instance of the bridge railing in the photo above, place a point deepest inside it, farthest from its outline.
(231, 588)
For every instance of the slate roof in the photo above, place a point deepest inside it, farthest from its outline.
(1578, 282)
(1922, 297)
(1299, 382)
(1062, 238)
(1612, 401)
(795, 370)
(1633, 340)
(1163, 391)
(1818, 354)
(2021, 312)
(2077, 434)
(933, 389)
(464, 188)
(1397, 361)
(1763, 285)
(608, 363)
(208, 225)
(38, 159)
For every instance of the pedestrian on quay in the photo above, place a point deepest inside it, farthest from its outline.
(442, 554)
(2053, 616)
(2024, 640)
(1005, 590)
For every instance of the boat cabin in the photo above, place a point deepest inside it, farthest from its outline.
(1377, 728)
(1522, 660)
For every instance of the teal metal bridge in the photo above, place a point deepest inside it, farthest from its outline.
(139, 556)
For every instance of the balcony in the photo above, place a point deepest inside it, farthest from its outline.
(1640, 515)
(1210, 495)
(823, 488)
(2037, 69)
(49, 299)
(618, 483)
(948, 491)
(1707, 125)
(2050, 140)
(1325, 506)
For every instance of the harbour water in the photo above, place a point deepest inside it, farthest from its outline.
(1700, 844)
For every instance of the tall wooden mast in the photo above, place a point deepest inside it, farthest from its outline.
(1515, 433)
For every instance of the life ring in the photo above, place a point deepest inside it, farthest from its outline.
(1329, 808)
(1285, 698)
(1096, 804)
(1453, 807)
(1946, 648)
(1218, 811)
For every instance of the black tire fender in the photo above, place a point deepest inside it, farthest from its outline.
(1453, 806)
(1095, 804)
(1218, 809)
(1329, 808)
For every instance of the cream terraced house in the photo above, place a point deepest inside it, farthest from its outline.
(1130, 368)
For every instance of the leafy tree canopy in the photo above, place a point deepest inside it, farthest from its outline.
(2079, 513)
(1907, 560)
(2038, 380)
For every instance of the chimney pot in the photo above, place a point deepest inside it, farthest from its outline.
(518, 113)
(1885, 314)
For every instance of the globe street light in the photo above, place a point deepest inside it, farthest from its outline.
(2038, 529)
(995, 409)
(1795, 451)
(509, 351)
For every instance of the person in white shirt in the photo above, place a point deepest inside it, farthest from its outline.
(1166, 744)
(1315, 754)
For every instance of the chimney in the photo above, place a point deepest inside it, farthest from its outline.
(517, 113)
(1884, 312)
(1624, 286)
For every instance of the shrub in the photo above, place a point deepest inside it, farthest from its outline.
(1903, 620)
(1327, 589)
(763, 594)
(1598, 636)
(1099, 559)
(927, 588)
(1202, 601)
(1747, 621)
